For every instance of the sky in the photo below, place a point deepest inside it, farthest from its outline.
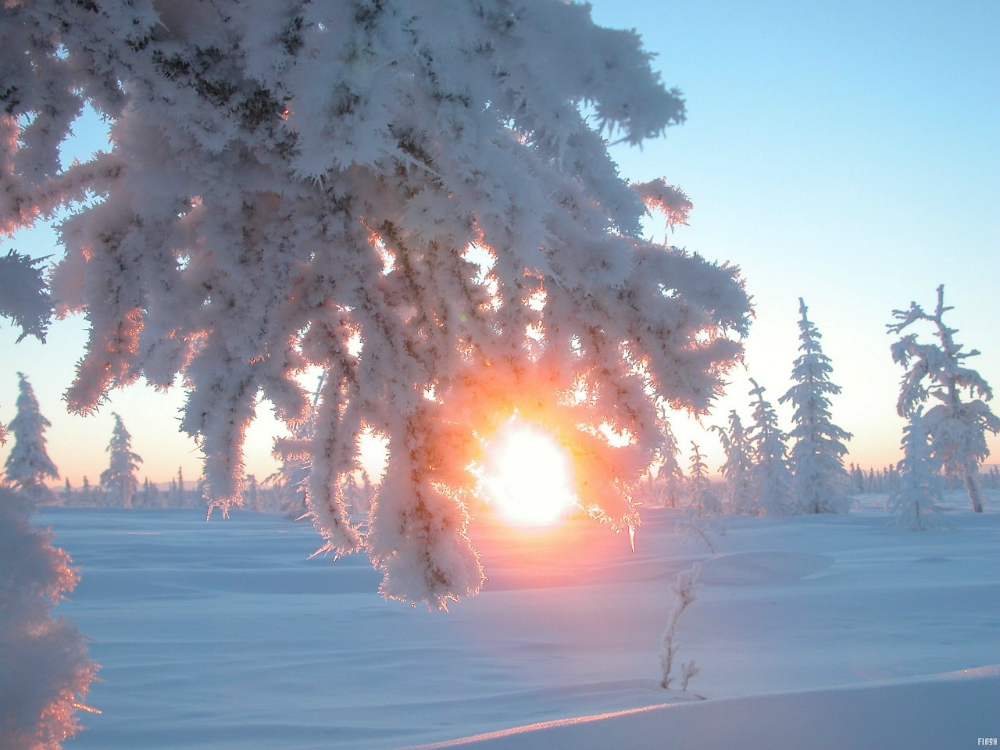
(844, 152)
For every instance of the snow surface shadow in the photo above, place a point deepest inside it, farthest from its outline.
(757, 568)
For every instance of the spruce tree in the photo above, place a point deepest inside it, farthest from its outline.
(86, 493)
(738, 468)
(857, 478)
(817, 457)
(252, 500)
(147, 496)
(957, 427)
(28, 465)
(770, 476)
(702, 501)
(920, 487)
(664, 484)
(119, 480)
(181, 501)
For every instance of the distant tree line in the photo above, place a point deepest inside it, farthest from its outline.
(887, 479)
(943, 445)
(28, 466)
(766, 471)
(269, 496)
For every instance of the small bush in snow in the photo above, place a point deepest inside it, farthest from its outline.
(684, 588)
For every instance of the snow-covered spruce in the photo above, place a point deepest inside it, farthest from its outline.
(738, 468)
(28, 464)
(919, 494)
(957, 428)
(119, 481)
(662, 486)
(770, 477)
(817, 457)
(303, 183)
(702, 500)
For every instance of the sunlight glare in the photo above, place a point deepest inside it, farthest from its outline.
(529, 480)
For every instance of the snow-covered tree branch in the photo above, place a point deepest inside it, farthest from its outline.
(416, 197)
(24, 297)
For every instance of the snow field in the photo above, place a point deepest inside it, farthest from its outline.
(227, 635)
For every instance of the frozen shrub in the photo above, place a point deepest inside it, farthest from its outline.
(684, 588)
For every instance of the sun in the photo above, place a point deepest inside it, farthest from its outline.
(527, 477)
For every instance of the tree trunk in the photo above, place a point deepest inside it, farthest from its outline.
(972, 486)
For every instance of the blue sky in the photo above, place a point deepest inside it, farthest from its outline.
(847, 153)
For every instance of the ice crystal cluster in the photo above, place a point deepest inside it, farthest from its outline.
(416, 197)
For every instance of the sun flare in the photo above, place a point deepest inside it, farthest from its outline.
(528, 478)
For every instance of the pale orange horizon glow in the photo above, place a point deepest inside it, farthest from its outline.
(527, 480)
